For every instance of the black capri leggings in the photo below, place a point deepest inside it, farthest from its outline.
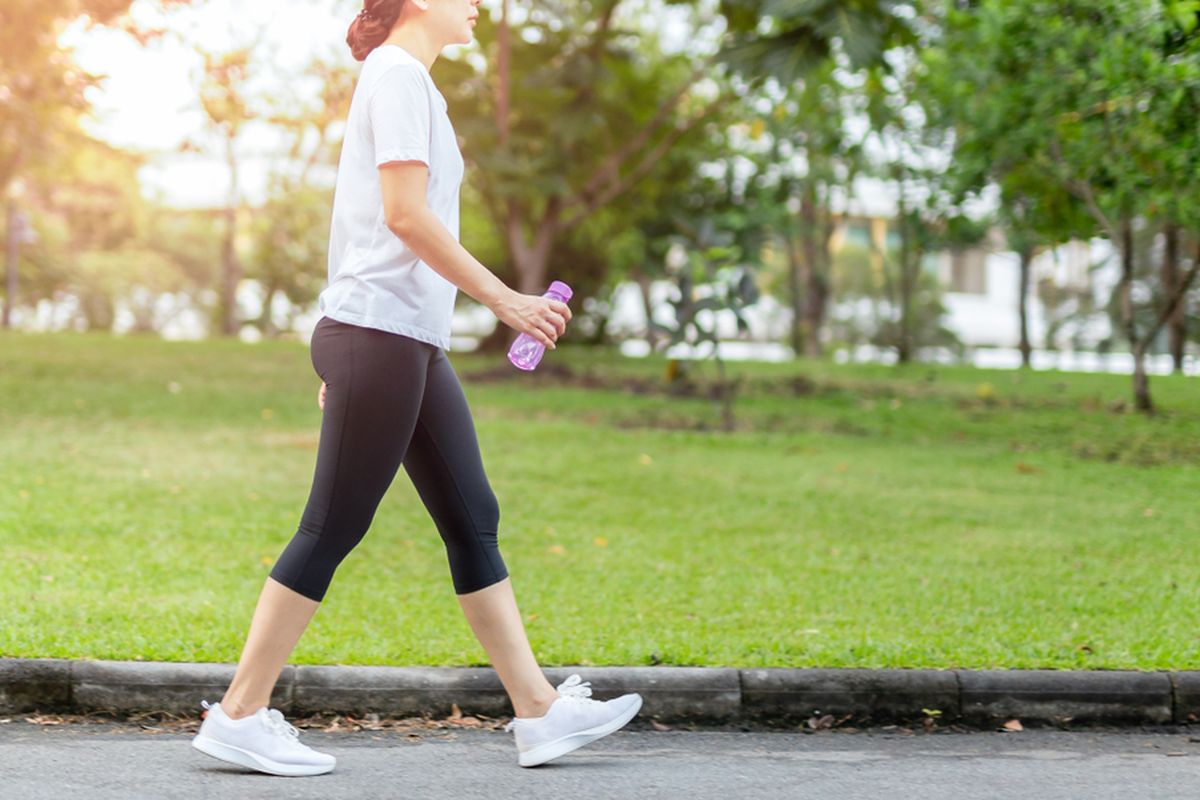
(391, 400)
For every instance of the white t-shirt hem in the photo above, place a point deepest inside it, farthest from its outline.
(391, 326)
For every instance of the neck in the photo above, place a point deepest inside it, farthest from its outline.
(417, 42)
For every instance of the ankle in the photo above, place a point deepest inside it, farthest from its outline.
(239, 710)
(534, 707)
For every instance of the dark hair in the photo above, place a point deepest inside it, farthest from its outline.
(372, 26)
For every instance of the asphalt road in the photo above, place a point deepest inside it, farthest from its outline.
(126, 760)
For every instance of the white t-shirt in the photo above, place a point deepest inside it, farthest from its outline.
(375, 280)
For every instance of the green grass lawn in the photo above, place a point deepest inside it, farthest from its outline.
(880, 517)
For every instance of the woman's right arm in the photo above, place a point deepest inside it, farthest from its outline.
(404, 185)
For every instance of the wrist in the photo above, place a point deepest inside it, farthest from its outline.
(498, 295)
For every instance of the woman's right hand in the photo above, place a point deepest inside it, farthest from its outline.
(540, 317)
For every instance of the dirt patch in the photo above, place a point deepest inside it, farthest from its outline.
(686, 386)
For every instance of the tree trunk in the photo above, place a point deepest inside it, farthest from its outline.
(1141, 385)
(644, 285)
(810, 274)
(904, 348)
(1177, 324)
(231, 270)
(266, 320)
(825, 272)
(13, 253)
(1026, 255)
(795, 292)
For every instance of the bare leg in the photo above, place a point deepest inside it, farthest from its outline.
(279, 618)
(493, 616)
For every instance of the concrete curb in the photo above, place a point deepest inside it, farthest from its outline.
(781, 696)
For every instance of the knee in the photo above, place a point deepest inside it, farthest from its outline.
(489, 513)
(471, 523)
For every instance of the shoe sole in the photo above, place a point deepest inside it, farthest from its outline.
(244, 758)
(550, 750)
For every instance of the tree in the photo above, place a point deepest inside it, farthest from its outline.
(1034, 210)
(1115, 126)
(709, 257)
(802, 34)
(291, 229)
(43, 93)
(812, 157)
(907, 144)
(226, 104)
(572, 115)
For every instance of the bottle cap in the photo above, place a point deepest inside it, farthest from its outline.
(562, 289)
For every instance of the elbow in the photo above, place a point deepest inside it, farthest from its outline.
(401, 227)
(404, 225)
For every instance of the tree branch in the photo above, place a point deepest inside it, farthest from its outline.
(610, 169)
(1083, 190)
(648, 161)
(1175, 299)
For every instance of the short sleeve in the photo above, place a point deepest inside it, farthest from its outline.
(399, 115)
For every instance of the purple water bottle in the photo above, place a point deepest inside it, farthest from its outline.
(527, 351)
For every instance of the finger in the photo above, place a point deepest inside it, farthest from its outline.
(563, 309)
(544, 336)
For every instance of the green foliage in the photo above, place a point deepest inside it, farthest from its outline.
(580, 94)
(801, 34)
(1066, 127)
(711, 260)
(291, 242)
(715, 265)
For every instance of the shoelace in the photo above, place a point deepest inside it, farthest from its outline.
(574, 690)
(273, 721)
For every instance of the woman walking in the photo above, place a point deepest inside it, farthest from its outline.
(390, 397)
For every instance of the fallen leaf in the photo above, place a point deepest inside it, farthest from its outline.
(658, 726)
(1013, 725)
(820, 723)
(1027, 469)
(42, 719)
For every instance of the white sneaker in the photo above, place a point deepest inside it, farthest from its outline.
(573, 720)
(264, 741)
